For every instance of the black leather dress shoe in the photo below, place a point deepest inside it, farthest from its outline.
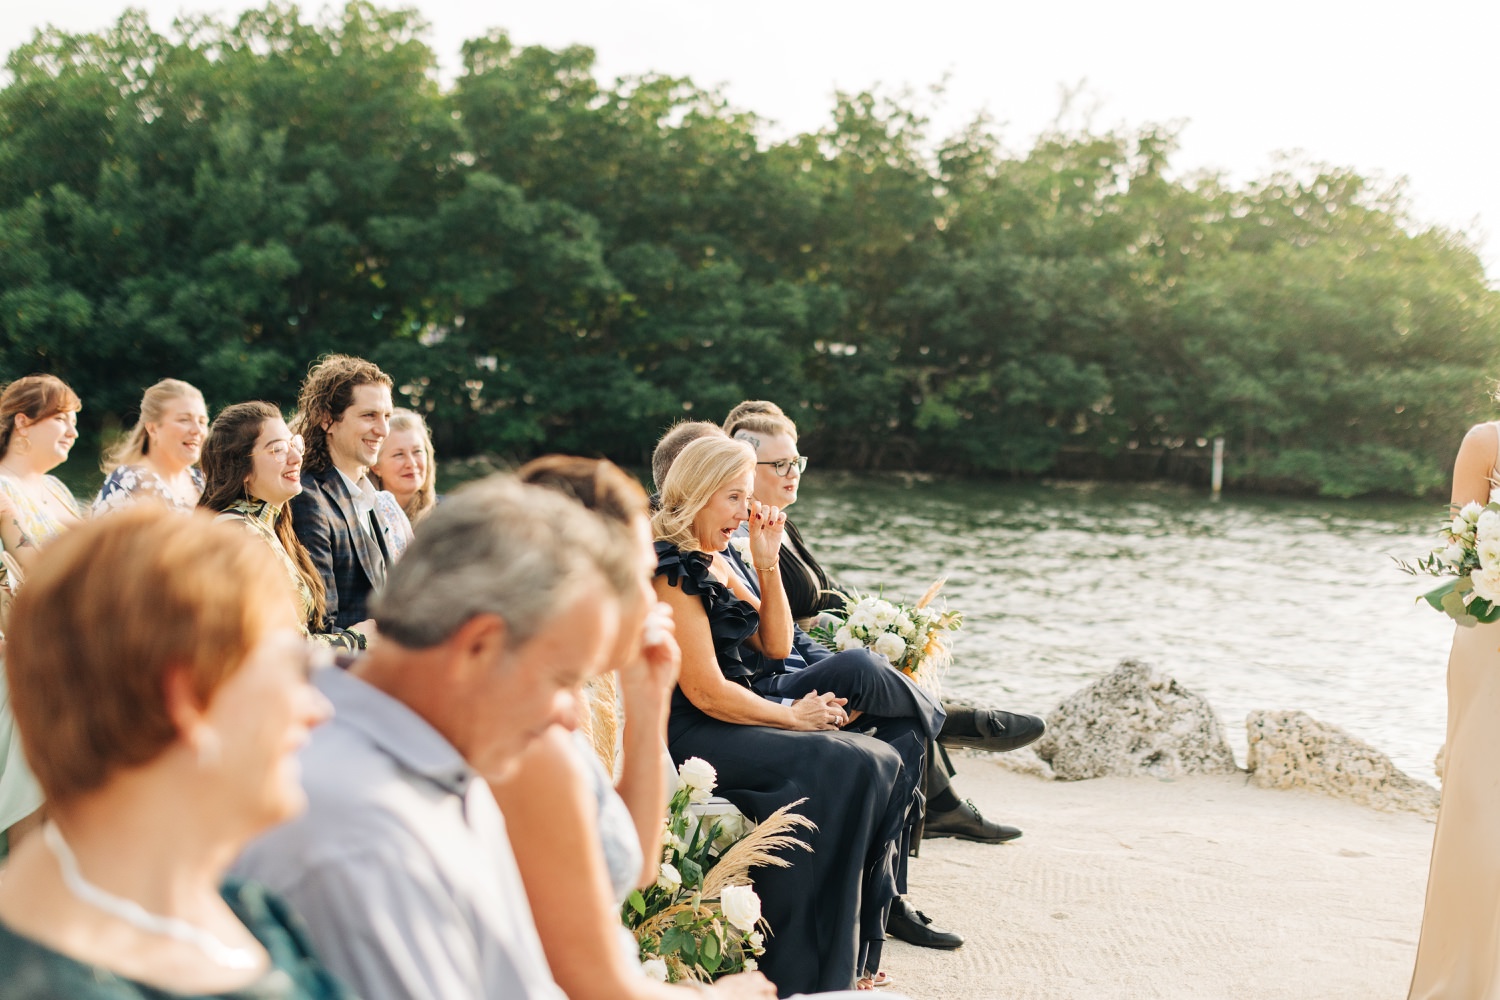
(989, 729)
(967, 823)
(909, 924)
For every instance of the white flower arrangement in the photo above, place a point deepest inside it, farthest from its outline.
(700, 920)
(698, 777)
(914, 638)
(1469, 551)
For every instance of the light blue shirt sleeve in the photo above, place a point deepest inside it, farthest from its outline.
(389, 928)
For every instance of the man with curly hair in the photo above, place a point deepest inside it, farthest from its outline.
(343, 413)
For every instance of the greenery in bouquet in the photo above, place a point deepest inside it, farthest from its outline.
(1470, 553)
(701, 919)
(914, 638)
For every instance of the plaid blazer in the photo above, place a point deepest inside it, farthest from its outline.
(351, 562)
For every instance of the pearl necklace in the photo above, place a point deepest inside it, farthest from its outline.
(136, 915)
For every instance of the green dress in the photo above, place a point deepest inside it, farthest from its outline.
(259, 517)
(33, 971)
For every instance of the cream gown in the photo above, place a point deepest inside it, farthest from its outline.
(1458, 954)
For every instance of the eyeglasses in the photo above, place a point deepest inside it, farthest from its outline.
(279, 449)
(784, 466)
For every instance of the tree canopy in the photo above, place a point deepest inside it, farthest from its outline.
(545, 261)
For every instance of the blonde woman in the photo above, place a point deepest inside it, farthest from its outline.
(406, 468)
(158, 459)
(828, 909)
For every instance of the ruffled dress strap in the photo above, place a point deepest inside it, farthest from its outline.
(730, 620)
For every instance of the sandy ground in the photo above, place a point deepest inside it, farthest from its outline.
(1205, 888)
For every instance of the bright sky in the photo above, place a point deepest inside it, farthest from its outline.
(1391, 89)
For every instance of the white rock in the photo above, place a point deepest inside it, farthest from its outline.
(1294, 750)
(1134, 721)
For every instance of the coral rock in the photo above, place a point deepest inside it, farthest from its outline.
(1294, 750)
(1135, 721)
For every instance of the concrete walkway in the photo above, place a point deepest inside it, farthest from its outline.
(1201, 888)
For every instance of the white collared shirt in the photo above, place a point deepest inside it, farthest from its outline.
(362, 495)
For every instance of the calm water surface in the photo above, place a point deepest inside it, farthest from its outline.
(1255, 603)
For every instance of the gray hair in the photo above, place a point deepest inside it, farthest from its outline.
(504, 548)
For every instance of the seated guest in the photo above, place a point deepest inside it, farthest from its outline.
(344, 412)
(868, 682)
(251, 468)
(406, 469)
(157, 460)
(161, 750)
(828, 910)
(583, 841)
(810, 591)
(505, 603)
(676, 438)
(38, 425)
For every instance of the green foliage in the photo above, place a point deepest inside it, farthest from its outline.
(548, 261)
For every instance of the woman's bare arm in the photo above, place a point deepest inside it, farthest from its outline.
(707, 688)
(1474, 465)
(553, 823)
(646, 690)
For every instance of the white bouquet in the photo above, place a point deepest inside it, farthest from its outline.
(1470, 553)
(914, 638)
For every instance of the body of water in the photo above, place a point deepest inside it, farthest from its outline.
(1253, 602)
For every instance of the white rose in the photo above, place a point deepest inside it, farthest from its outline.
(1488, 525)
(655, 968)
(862, 620)
(757, 941)
(903, 624)
(891, 646)
(699, 775)
(1488, 551)
(844, 639)
(1452, 555)
(1487, 583)
(1459, 526)
(741, 906)
(670, 878)
(751, 965)
(1469, 512)
(885, 613)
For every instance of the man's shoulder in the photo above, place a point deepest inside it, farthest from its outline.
(360, 808)
(315, 495)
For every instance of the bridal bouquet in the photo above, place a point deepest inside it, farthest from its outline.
(701, 920)
(914, 638)
(1470, 553)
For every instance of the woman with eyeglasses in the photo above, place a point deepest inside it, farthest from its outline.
(162, 751)
(252, 465)
(158, 459)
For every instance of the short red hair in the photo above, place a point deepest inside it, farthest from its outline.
(111, 610)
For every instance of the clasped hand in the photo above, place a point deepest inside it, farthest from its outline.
(814, 711)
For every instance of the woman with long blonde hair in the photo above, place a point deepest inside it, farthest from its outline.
(158, 459)
(828, 909)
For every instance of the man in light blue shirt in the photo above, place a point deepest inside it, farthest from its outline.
(507, 600)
